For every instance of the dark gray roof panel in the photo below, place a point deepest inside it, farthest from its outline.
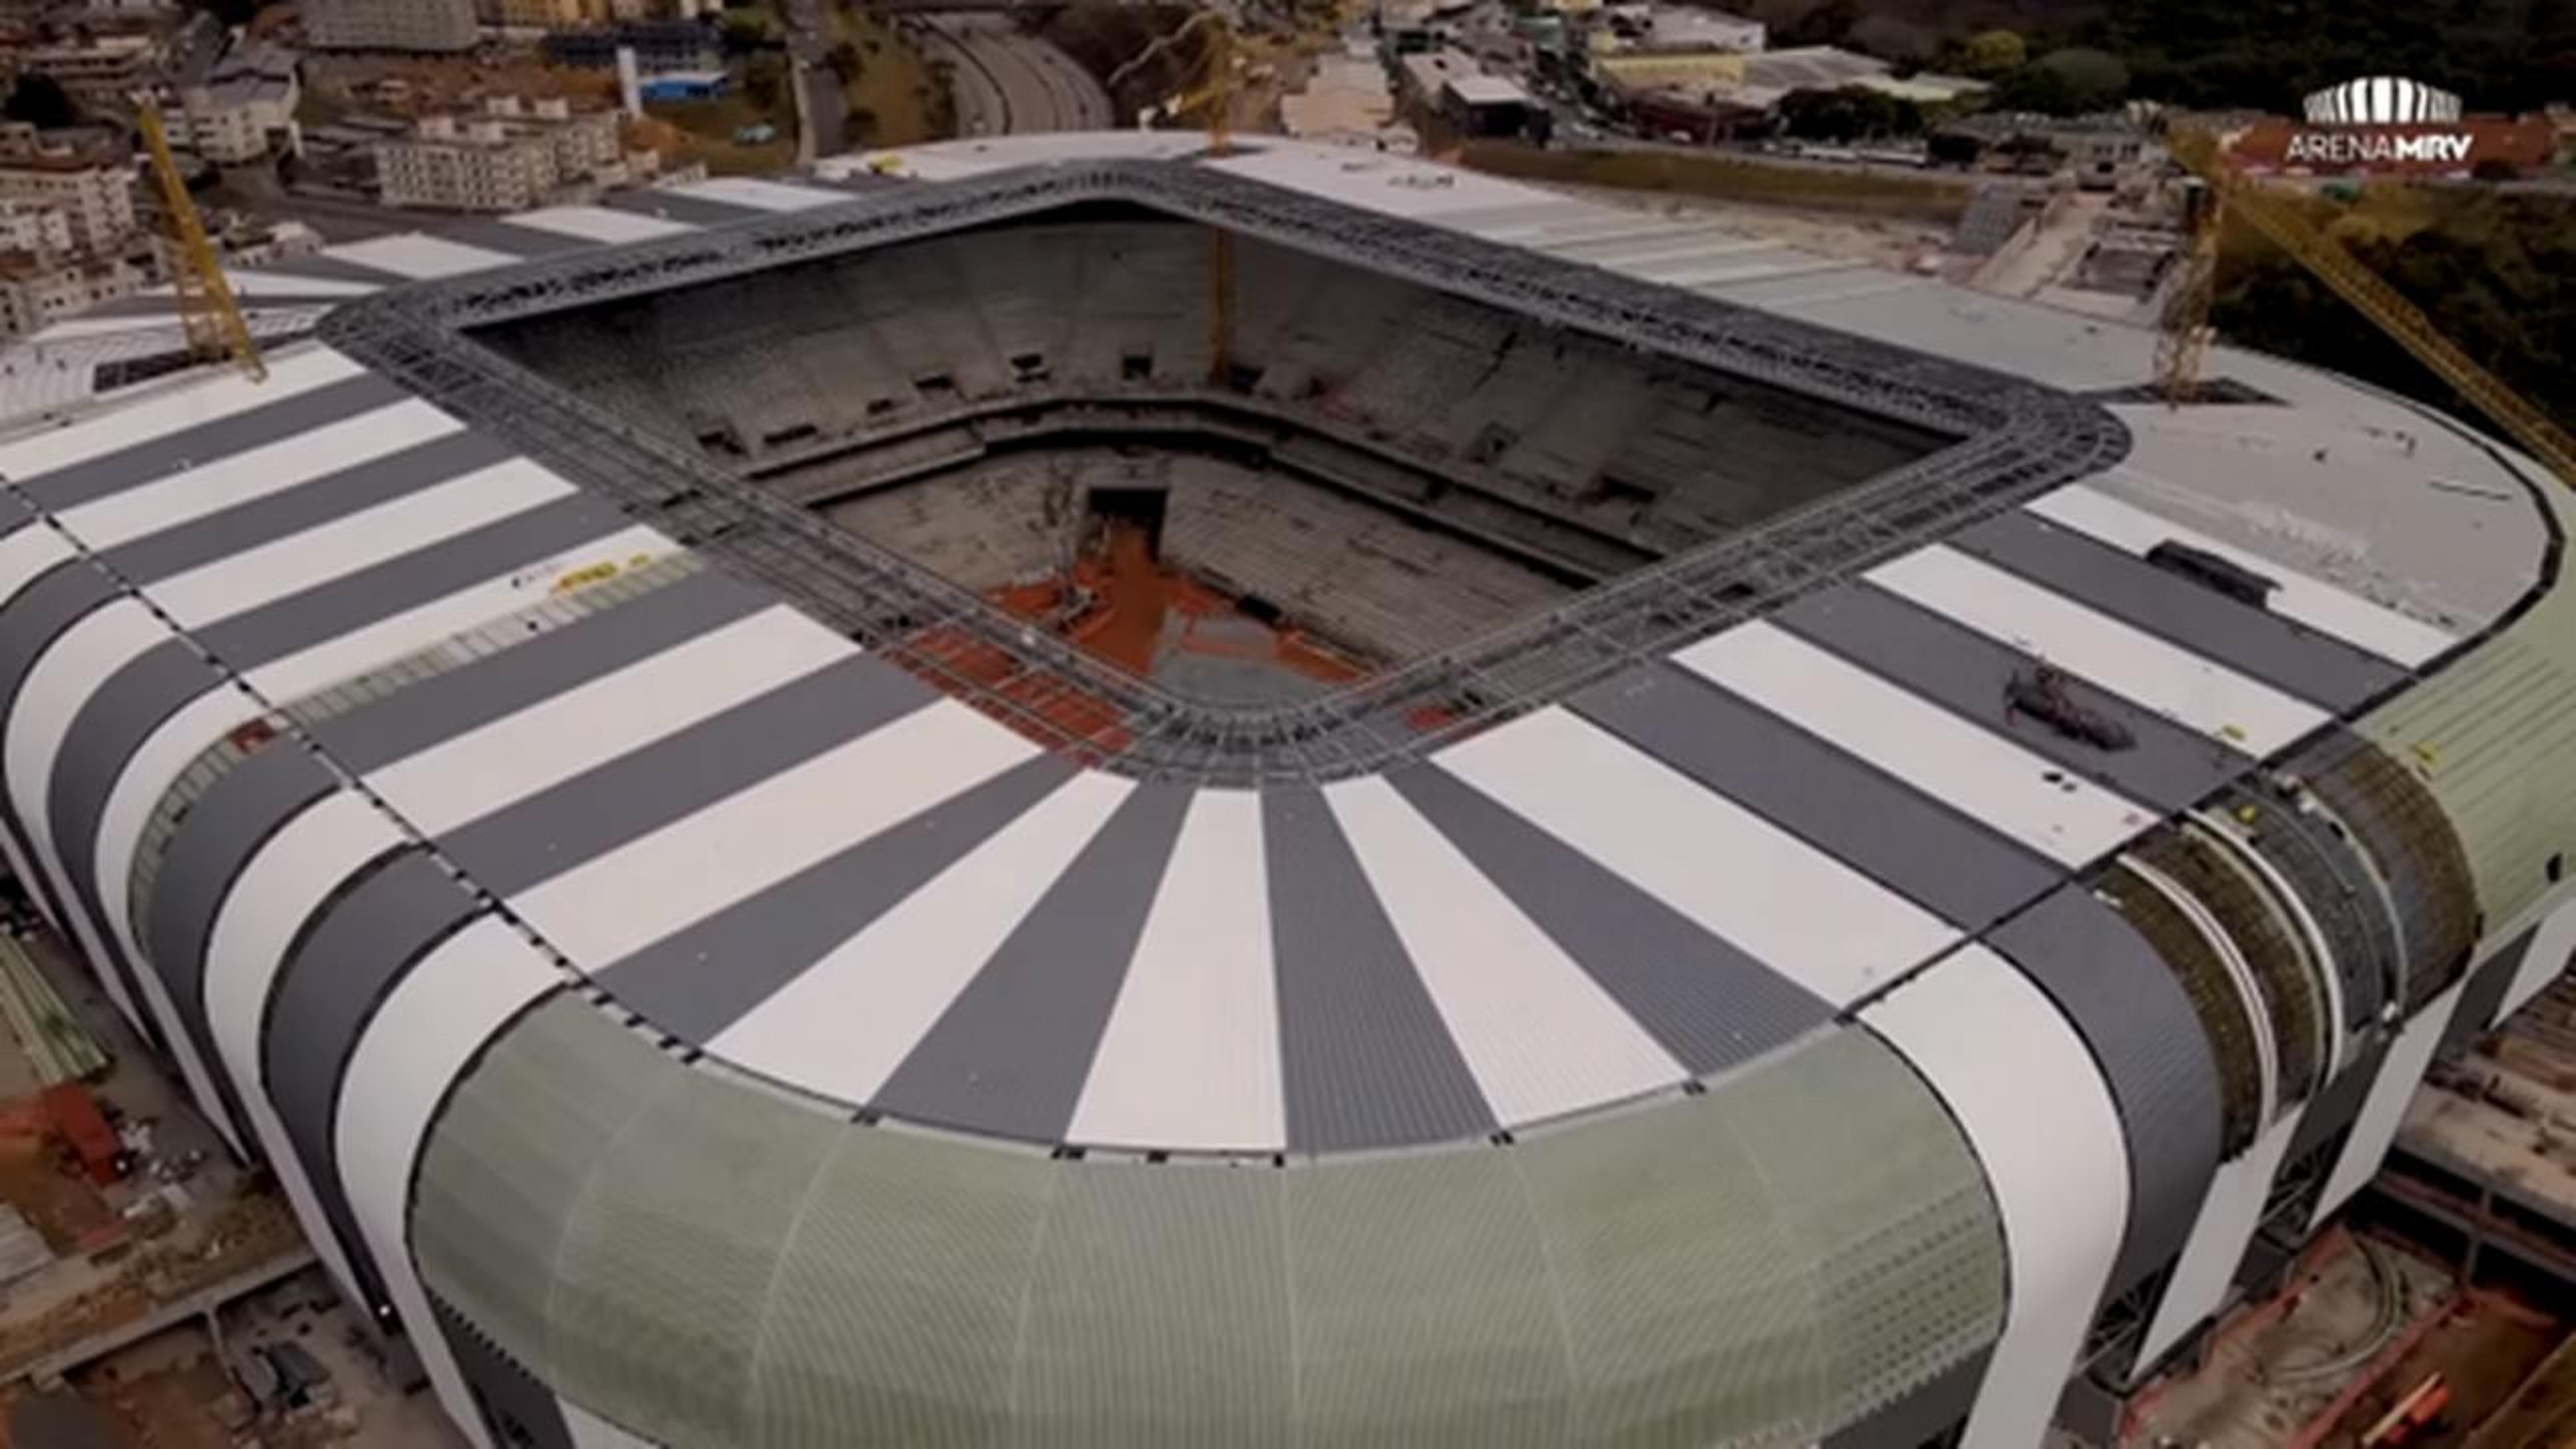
(673, 206)
(518, 241)
(545, 834)
(30, 623)
(333, 495)
(697, 981)
(1710, 1005)
(1011, 1053)
(2130, 1010)
(333, 979)
(1954, 666)
(2484, 995)
(110, 726)
(1844, 806)
(250, 803)
(2254, 642)
(564, 657)
(152, 460)
(332, 269)
(327, 610)
(1365, 1059)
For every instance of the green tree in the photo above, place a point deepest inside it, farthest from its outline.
(2034, 88)
(2094, 78)
(38, 100)
(1996, 52)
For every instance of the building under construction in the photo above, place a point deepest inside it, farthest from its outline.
(1107, 796)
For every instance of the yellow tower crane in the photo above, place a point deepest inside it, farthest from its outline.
(2186, 323)
(208, 316)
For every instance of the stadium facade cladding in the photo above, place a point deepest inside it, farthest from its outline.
(1754, 1023)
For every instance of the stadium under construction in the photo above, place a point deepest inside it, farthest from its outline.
(1096, 795)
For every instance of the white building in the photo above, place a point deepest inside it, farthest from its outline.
(94, 192)
(37, 293)
(508, 158)
(35, 228)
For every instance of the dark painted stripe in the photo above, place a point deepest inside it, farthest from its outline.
(2253, 642)
(699, 980)
(564, 657)
(1365, 1058)
(107, 730)
(2131, 1012)
(14, 514)
(164, 308)
(516, 240)
(2483, 997)
(1921, 1415)
(334, 607)
(2332, 1110)
(30, 623)
(255, 427)
(207, 851)
(2327, 871)
(517, 1410)
(1845, 806)
(1709, 1004)
(353, 489)
(1967, 673)
(1011, 1053)
(328, 988)
(325, 268)
(545, 834)
(672, 206)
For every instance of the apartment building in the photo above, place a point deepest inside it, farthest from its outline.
(423, 25)
(102, 72)
(37, 292)
(509, 157)
(35, 228)
(91, 188)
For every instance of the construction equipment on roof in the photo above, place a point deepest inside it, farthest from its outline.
(2186, 323)
(208, 316)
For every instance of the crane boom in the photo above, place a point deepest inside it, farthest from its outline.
(208, 316)
(2403, 321)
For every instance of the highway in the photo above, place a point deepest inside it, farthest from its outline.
(1010, 81)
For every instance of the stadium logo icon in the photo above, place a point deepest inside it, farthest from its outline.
(2381, 100)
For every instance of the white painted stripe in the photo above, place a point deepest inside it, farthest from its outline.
(2025, 1090)
(243, 581)
(2547, 957)
(842, 1027)
(63, 679)
(417, 256)
(195, 493)
(2322, 606)
(598, 223)
(464, 777)
(2400, 1073)
(1190, 1058)
(2240, 973)
(254, 284)
(1801, 912)
(141, 421)
(1987, 777)
(334, 660)
(421, 1040)
(1541, 1037)
(26, 554)
(2219, 1237)
(2127, 661)
(650, 887)
(278, 888)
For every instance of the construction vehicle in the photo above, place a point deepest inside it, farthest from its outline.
(208, 317)
(2227, 191)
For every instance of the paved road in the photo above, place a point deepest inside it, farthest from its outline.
(1010, 81)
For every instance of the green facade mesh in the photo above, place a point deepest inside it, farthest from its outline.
(709, 1263)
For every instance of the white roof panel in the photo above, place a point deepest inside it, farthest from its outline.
(1191, 1055)
(765, 195)
(2127, 661)
(1539, 1034)
(1985, 776)
(754, 838)
(467, 775)
(222, 483)
(419, 257)
(255, 576)
(190, 405)
(1789, 905)
(2025, 1090)
(601, 224)
(843, 1026)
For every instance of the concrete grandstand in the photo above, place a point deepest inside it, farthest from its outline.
(1850, 882)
